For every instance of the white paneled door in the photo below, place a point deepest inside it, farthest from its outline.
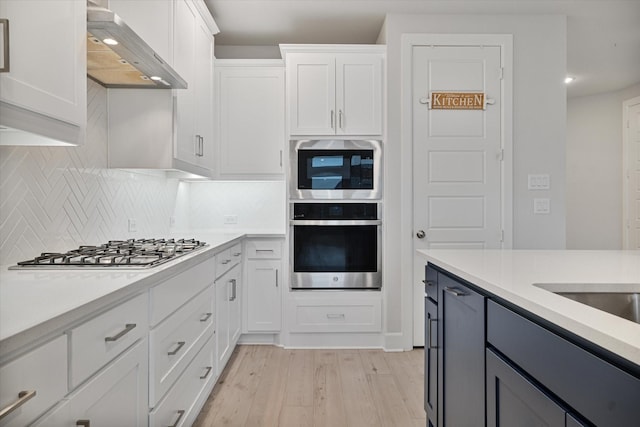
(632, 174)
(457, 154)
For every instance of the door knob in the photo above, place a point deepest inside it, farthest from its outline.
(421, 234)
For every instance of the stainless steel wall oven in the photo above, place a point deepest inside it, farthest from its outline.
(335, 245)
(329, 169)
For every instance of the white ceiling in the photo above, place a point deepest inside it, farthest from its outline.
(603, 36)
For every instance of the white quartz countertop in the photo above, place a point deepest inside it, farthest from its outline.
(514, 275)
(35, 302)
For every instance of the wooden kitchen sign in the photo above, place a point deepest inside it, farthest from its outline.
(457, 101)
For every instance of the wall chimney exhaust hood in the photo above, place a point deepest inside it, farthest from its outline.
(118, 58)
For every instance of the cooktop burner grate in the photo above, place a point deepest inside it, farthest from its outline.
(132, 253)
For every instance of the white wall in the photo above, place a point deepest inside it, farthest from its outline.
(259, 205)
(539, 127)
(594, 170)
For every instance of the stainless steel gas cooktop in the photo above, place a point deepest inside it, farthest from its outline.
(127, 254)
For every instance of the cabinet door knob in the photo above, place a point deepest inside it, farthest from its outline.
(421, 234)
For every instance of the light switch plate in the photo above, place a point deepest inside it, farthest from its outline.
(539, 182)
(541, 206)
(132, 226)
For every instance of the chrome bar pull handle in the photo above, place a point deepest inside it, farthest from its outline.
(340, 119)
(178, 348)
(206, 374)
(180, 415)
(276, 277)
(455, 291)
(431, 334)
(6, 58)
(128, 328)
(332, 120)
(23, 397)
(206, 317)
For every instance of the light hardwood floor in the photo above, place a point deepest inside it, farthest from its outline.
(270, 386)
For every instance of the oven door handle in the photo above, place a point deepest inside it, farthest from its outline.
(335, 222)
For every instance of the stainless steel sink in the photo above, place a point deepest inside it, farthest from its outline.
(621, 304)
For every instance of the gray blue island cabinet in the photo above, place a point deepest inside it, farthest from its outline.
(489, 362)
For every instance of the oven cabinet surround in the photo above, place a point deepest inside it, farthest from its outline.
(228, 290)
(42, 99)
(317, 318)
(532, 372)
(143, 354)
(262, 298)
(169, 129)
(334, 89)
(250, 118)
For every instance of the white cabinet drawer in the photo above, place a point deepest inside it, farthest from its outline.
(116, 396)
(175, 409)
(264, 249)
(101, 339)
(226, 259)
(173, 342)
(329, 316)
(168, 296)
(43, 371)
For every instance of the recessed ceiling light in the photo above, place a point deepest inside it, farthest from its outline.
(110, 42)
(568, 80)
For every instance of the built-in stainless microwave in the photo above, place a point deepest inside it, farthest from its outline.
(334, 169)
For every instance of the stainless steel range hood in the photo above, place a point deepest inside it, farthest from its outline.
(131, 62)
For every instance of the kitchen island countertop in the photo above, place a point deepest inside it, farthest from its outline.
(33, 303)
(514, 275)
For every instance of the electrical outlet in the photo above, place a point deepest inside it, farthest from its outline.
(231, 219)
(539, 182)
(172, 221)
(541, 206)
(131, 225)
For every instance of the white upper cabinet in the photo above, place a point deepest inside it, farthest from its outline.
(250, 118)
(43, 85)
(162, 128)
(193, 60)
(334, 90)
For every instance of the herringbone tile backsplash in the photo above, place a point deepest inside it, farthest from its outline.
(56, 198)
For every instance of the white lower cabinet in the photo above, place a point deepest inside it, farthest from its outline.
(33, 383)
(116, 396)
(99, 340)
(332, 311)
(174, 342)
(183, 402)
(263, 298)
(228, 312)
